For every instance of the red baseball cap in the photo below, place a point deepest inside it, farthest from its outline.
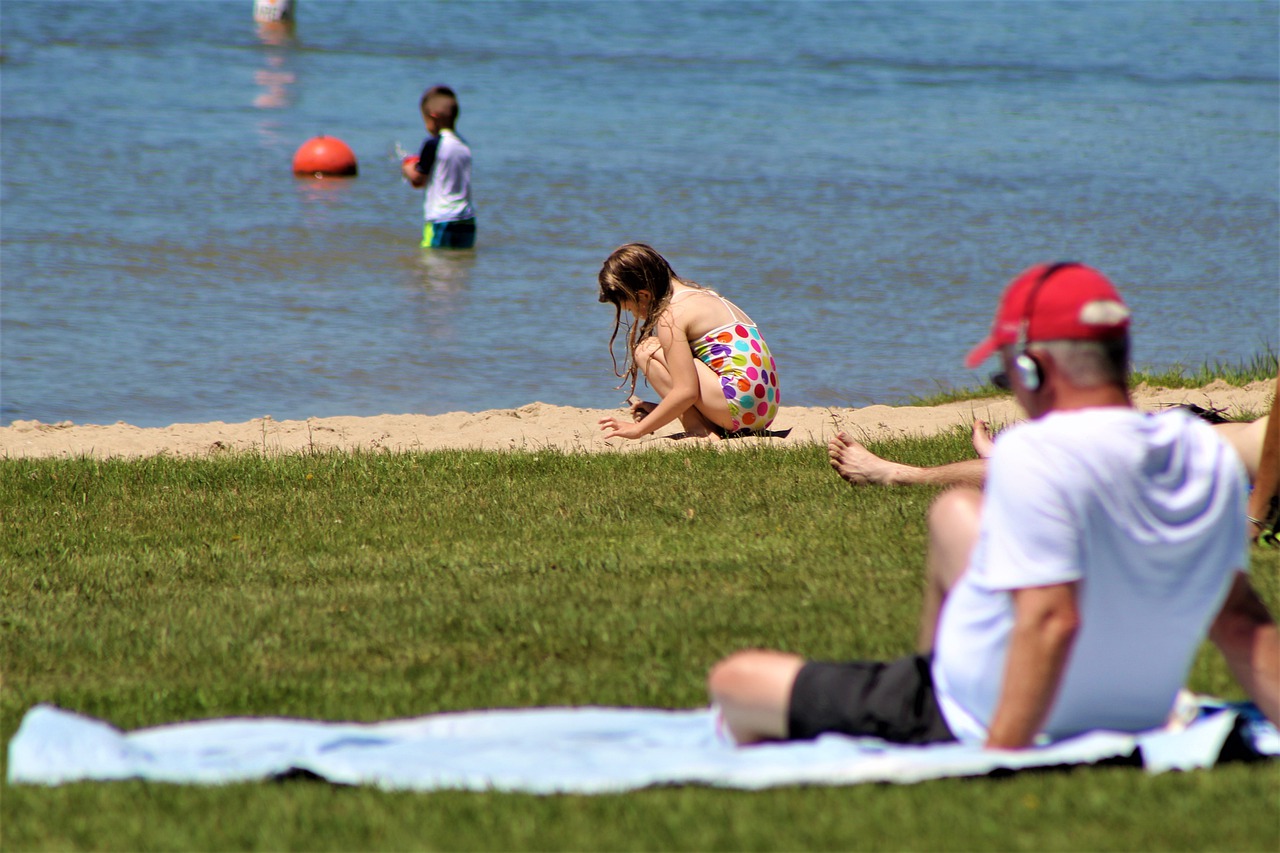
(1055, 302)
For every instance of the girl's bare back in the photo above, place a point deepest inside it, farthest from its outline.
(695, 311)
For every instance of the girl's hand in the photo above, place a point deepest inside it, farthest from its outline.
(613, 428)
(639, 408)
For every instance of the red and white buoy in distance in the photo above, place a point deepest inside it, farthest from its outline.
(273, 11)
(325, 157)
(275, 21)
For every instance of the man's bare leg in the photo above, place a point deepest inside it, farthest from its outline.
(753, 688)
(953, 530)
(753, 691)
(860, 466)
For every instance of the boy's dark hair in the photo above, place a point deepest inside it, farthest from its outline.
(439, 101)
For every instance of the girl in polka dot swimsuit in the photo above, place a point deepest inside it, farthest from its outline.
(698, 350)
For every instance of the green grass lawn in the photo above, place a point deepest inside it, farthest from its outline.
(372, 586)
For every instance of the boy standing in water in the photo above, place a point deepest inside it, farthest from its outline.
(444, 168)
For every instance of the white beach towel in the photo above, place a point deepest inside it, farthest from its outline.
(565, 750)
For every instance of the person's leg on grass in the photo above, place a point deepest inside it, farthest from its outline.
(1266, 482)
(753, 691)
(859, 466)
(1247, 439)
(953, 531)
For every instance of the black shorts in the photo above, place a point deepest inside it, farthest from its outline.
(894, 701)
(456, 234)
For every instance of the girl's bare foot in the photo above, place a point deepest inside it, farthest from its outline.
(697, 426)
(860, 466)
(982, 440)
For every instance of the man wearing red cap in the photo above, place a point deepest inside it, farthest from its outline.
(1074, 592)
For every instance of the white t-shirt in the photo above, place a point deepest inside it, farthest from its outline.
(447, 159)
(1147, 513)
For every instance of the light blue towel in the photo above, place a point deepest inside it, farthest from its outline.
(560, 750)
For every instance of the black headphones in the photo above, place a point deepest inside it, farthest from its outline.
(1024, 363)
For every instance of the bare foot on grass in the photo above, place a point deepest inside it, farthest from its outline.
(982, 440)
(860, 466)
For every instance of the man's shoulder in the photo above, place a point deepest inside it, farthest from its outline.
(1080, 427)
(1111, 438)
(1060, 442)
(1077, 426)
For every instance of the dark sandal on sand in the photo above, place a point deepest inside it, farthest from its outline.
(1213, 416)
(740, 433)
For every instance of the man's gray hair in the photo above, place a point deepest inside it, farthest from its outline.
(1089, 364)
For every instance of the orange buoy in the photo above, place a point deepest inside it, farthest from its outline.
(325, 157)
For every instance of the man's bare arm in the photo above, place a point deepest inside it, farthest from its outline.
(1046, 620)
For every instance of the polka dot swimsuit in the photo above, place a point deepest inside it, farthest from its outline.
(748, 378)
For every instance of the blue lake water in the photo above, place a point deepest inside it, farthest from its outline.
(863, 178)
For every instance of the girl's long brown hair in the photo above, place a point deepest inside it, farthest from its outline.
(627, 271)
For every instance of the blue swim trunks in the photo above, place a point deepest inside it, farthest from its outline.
(458, 234)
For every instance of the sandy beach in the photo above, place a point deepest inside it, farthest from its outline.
(540, 426)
